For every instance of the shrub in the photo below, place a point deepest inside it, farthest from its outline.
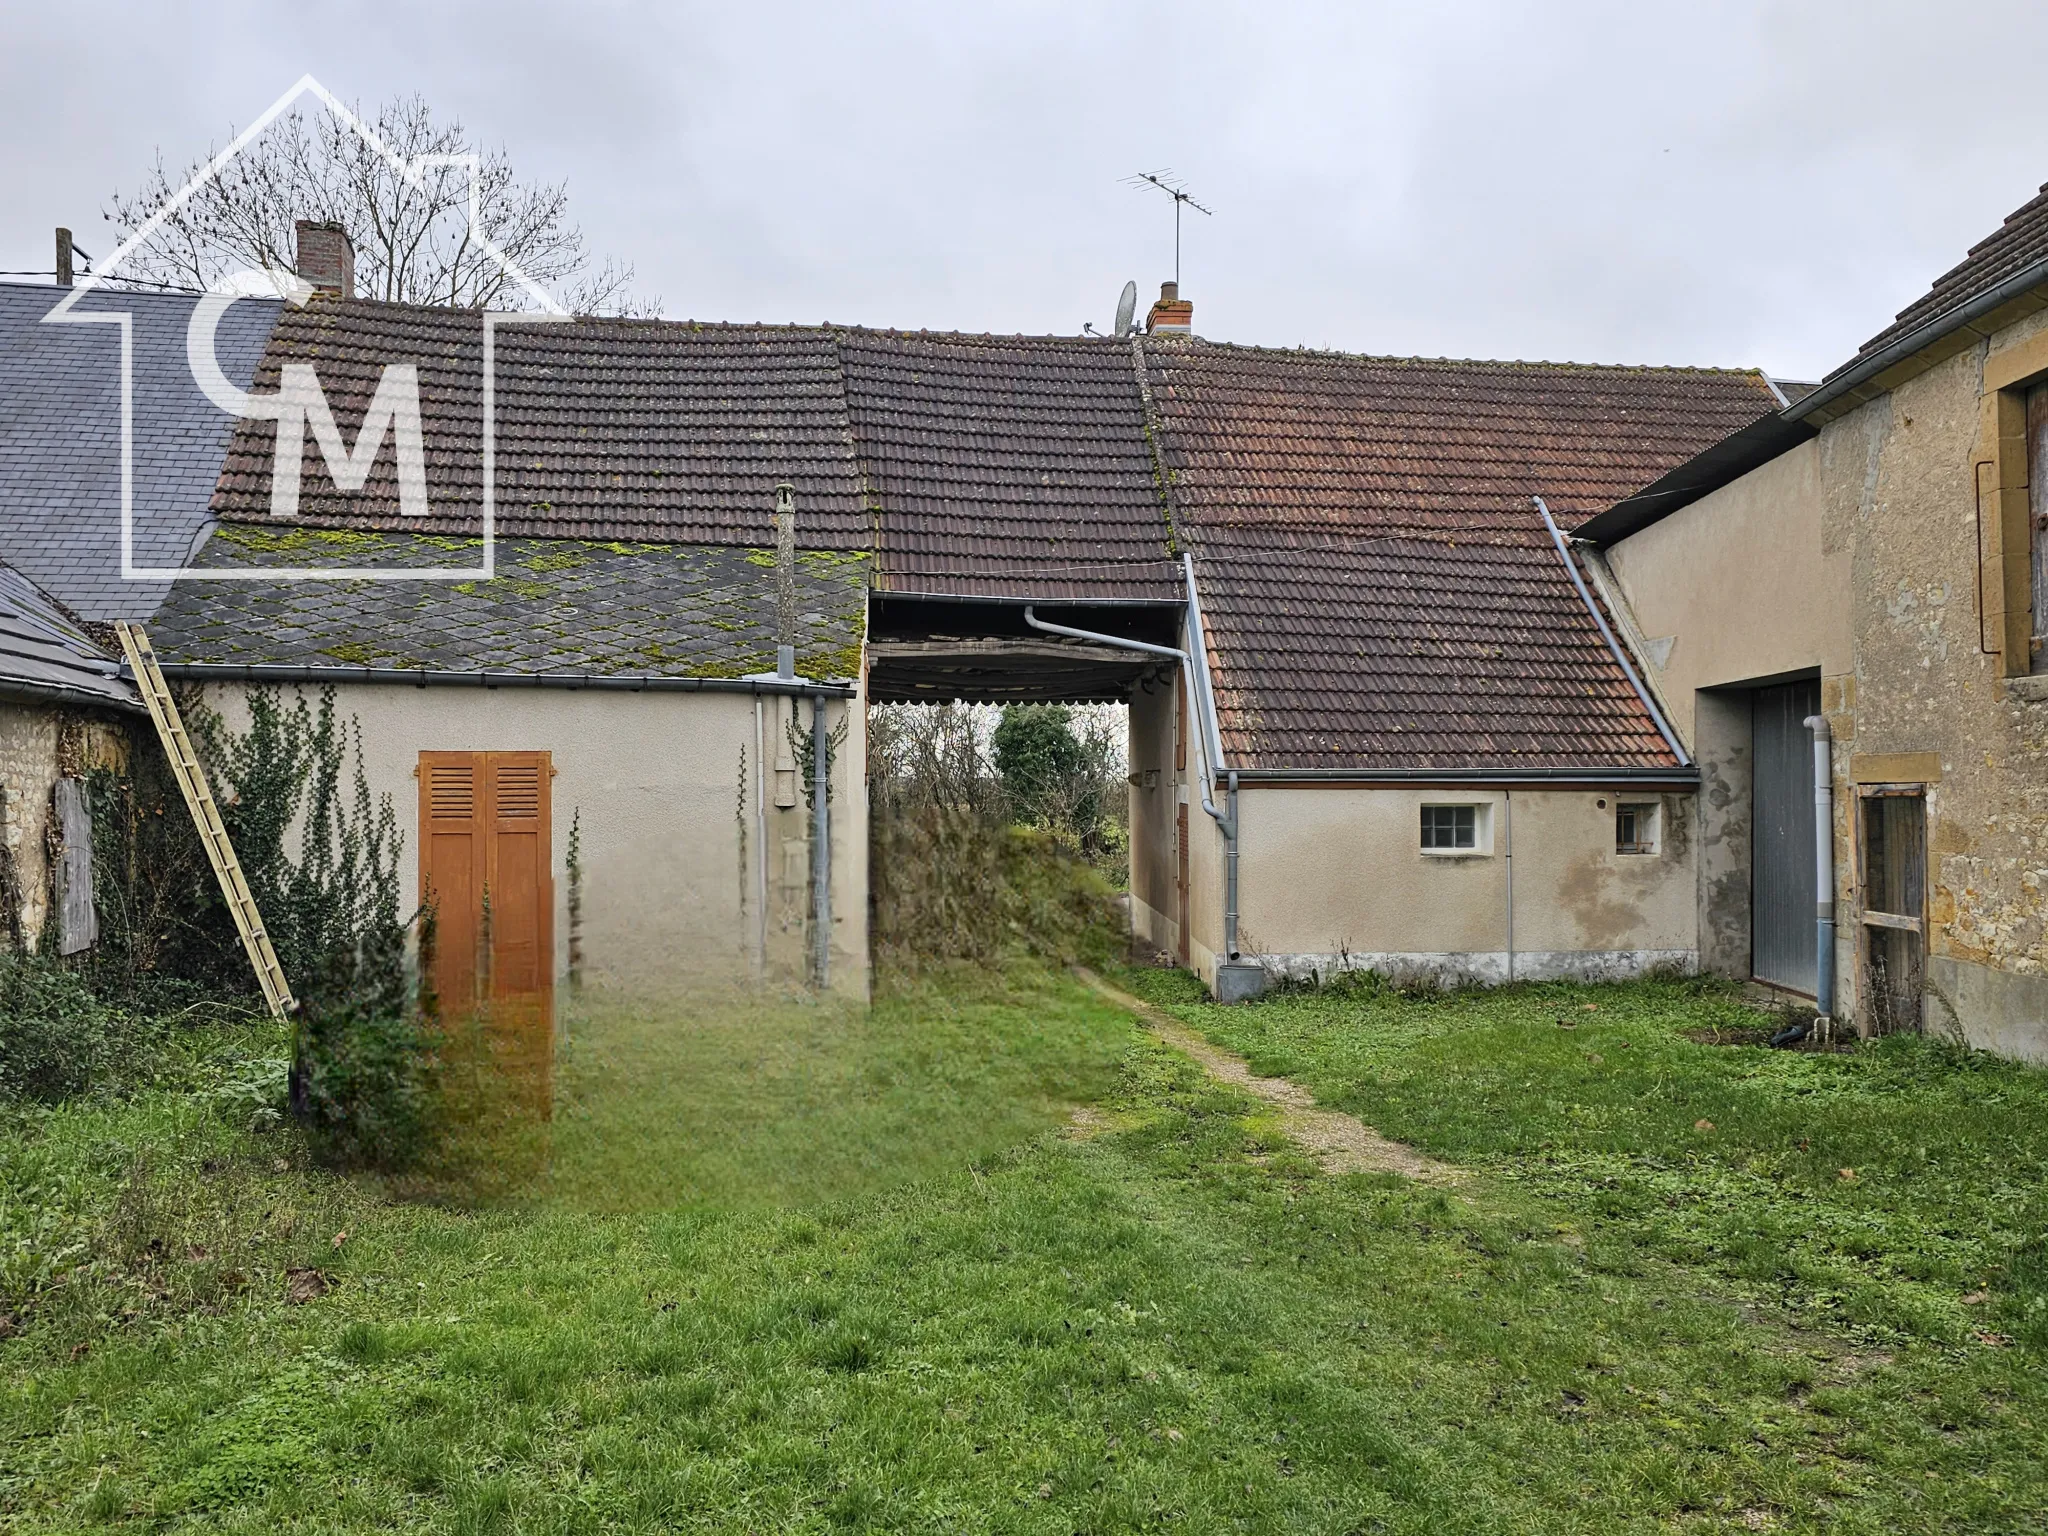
(57, 1038)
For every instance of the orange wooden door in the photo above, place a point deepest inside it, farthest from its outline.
(486, 838)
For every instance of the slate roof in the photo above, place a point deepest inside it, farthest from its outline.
(46, 655)
(611, 608)
(60, 439)
(2018, 244)
(1377, 587)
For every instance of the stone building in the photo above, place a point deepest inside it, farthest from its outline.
(1873, 555)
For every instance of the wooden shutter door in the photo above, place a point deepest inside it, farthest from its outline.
(452, 844)
(486, 830)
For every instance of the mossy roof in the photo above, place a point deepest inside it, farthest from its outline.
(612, 608)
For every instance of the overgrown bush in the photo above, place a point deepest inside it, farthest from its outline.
(58, 1037)
(363, 1058)
(956, 874)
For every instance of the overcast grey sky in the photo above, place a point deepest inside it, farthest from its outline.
(1740, 184)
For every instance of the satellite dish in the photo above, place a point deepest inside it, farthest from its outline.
(1126, 310)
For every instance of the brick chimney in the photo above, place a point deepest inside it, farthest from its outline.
(326, 258)
(1172, 314)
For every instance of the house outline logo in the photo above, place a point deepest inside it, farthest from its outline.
(300, 404)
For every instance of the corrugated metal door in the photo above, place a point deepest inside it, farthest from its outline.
(1781, 893)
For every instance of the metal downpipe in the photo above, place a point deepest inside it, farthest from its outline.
(1614, 646)
(821, 846)
(1824, 873)
(1206, 736)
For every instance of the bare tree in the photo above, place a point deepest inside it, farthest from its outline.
(412, 235)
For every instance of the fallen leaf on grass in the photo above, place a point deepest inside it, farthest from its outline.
(340, 1238)
(1995, 1340)
(1703, 1125)
(304, 1285)
(78, 1352)
(1845, 1174)
(1976, 1298)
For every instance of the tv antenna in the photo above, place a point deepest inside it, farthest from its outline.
(1171, 185)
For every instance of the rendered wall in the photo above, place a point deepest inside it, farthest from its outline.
(667, 821)
(1752, 581)
(1336, 877)
(1155, 917)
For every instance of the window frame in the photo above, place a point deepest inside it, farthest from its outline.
(1649, 815)
(1481, 845)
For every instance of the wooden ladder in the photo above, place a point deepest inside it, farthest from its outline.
(170, 729)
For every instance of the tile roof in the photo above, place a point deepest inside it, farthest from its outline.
(1377, 587)
(1379, 591)
(1008, 466)
(60, 439)
(980, 466)
(44, 653)
(2019, 243)
(606, 429)
(555, 605)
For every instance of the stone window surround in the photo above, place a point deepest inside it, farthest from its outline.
(2004, 512)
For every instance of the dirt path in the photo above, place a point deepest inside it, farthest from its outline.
(1339, 1143)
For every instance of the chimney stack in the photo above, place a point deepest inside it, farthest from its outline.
(63, 258)
(326, 259)
(1172, 314)
(785, 581)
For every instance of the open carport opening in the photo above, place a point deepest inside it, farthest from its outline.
(1000, 778)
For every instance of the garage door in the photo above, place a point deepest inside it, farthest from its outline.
(1781, 874)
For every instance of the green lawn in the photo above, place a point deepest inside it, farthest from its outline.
(798, 1269)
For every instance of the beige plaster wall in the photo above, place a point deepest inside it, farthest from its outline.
(1333, 876)
(667, 818)
(1153, 915)
(1749, 582)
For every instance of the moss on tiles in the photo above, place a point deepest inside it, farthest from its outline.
(280, 541)
(559, 560)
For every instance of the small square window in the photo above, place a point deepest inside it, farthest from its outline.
(1635, 826)
(1450, 828)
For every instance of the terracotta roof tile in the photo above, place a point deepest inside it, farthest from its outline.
(1377, 586)
(2017, 244)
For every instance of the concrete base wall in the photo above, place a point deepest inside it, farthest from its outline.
(2001, 1011)
(1153, 926)
(1487, 967)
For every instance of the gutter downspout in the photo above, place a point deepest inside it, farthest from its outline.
(760, 840)
(1824, 873)
(1508, 838)
(821, 842)
(1619, 652)
(1207, 735)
